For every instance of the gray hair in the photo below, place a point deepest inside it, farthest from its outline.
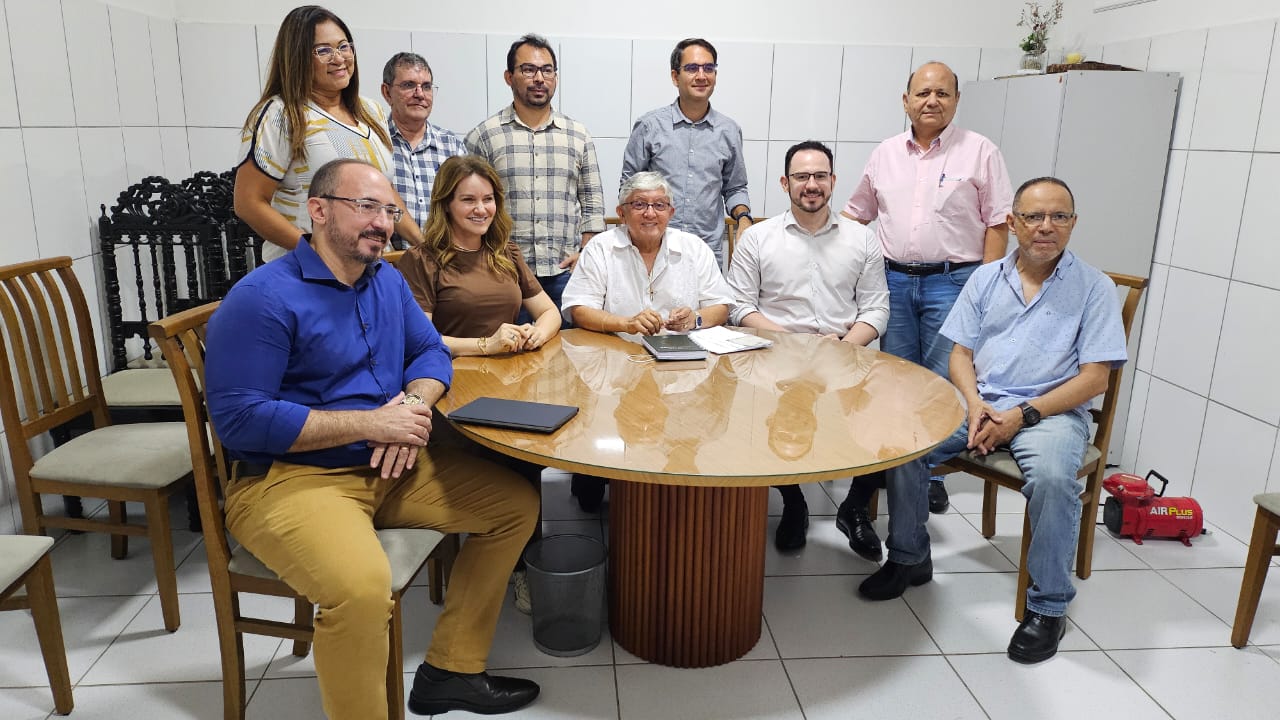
(643, 182)
(410, 60)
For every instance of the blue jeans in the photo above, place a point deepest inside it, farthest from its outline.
(918, 305)
(1049, 455)
(553, 286)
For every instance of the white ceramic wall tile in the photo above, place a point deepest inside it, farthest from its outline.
(15, 202)
(1269, 123)
(651, 76)
(1182, 53)
(805, 97)
(1169, 204)
(102, 156)
(1244, 374)
(265, 36)
(38, 49)
(134, 76)
(872, 81)
(963, 60)
(595, 85)
(212, 148)
(168, 72)
(775, 200)
(373, 49)
(1257, 253)
(93, 68)
(1209, 211)
(1231, 84)
(1153, 307)
(177, 156)
(143, 155)
(756, 154)
(1129, 53)
(1171, 430)
(996, 62)
(1133, 425)
(1185, 357)
(609, 156)
(458, 65)
(8, 93)
(219, 73)
(1273, 481)
(1235, 454)
(496, 65)
(57, 191)
(851, 159)
(742, 85)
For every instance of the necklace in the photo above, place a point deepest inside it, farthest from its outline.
(459, 248)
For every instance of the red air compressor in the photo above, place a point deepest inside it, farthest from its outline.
(1138, 511)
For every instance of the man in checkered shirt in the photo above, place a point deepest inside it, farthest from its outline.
(417, 146)
(547, 162)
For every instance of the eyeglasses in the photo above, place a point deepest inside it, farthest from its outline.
(1059, 219)
(367, 208)
(326, 53)
(529, 70)
(693, 68)
(408, 86)
(803, 177)
(640, 206)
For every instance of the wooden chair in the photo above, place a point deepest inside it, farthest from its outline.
(24, 560)
(1000, 470)
(232, 571)
(1262, 547)
(730, 232)
(49, 377)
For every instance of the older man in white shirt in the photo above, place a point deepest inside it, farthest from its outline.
(809, 270)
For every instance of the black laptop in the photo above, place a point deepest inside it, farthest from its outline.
(514, 414)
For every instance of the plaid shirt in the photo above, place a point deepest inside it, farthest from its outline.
(553, 184)
(415, 167)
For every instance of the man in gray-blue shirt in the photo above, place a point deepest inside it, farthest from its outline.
(698, 150)
(1036, 336)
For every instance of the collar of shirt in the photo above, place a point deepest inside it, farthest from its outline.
(314, 270)
(678, 116)
(789, 220)
(508, 116)
(1009, 269)
(944, 138)
(428, 136)
(621, 240)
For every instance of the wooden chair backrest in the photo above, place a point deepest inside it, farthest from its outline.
(393, 256)
(1104, 416)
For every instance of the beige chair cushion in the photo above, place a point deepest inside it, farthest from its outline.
(1002, 462)
(142, 387)
(18, 554)
(1269, 502)
(406, 548)
(145, 455)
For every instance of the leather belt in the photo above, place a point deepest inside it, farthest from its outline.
(921, 269)
(251, 469)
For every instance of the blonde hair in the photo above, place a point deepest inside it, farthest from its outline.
(435, 232)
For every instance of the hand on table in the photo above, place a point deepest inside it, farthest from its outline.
(645, 322)
(681, 320)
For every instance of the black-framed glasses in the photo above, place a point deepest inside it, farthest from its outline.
(529, 70)
(408, 86)
(693, 68)
(640, 206)
(326, 53)
(370, 208)
(1059, 219)
(803, 177)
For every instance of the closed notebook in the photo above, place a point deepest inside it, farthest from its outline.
(514, 414)
(673, 347)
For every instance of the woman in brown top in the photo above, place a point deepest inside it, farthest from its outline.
(467, 275)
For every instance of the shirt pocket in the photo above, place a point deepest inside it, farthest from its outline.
(1057, 333)
(956, 200)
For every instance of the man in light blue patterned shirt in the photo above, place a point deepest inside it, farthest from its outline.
(1036, 336)
(418, 147)
(698, 150)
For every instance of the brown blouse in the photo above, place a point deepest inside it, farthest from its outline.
(467, 299)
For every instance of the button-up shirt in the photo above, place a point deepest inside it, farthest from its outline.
(822, 282)
(291, 338)
(553, 185)
(415, 167)
(1022, 350)
(936, 203)
(701, 160)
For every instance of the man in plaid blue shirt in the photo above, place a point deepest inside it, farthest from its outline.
(547, 162)
(418, 146)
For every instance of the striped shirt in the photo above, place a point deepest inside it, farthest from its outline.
(415, 167)
(554, 193)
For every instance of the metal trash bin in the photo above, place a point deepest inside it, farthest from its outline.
(566, 576)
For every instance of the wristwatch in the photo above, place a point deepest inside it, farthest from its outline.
(1030, 415)
(413, 399)
(697, 320)
(739, 216)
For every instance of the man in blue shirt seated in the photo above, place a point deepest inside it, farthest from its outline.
(321, 373)
(1036, 335)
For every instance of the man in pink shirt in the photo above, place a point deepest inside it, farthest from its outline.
(941, 195)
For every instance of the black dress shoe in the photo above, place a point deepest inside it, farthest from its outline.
(589, 490)
(892, 579)
(938, 500)
(792, 527)
(1036, 639)
(852, 520)
(438, 691)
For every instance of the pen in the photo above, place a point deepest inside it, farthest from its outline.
(942, 177)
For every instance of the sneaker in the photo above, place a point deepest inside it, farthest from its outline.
(524, 602)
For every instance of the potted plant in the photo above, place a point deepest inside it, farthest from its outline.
(1036, 44)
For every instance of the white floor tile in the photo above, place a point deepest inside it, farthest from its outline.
(881, 688)
(823, 616)
(559, 504)
(82, 565)
(287, 699)
(1213, 549)
(1219, 590)
(89, 625)
(1273, 651)
(965, 492)
(765, 649)
(1134, 609)
(814, 496)
(34, 703)
(957, 546)
(172, 701)
(755, 689)
(826, 552)
(1108, 553)
(1228, 683)
(568, 693)
(1055, 688)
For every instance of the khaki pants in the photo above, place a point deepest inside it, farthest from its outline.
(314, 527)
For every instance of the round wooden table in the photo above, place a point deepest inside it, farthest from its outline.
(692, 449)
